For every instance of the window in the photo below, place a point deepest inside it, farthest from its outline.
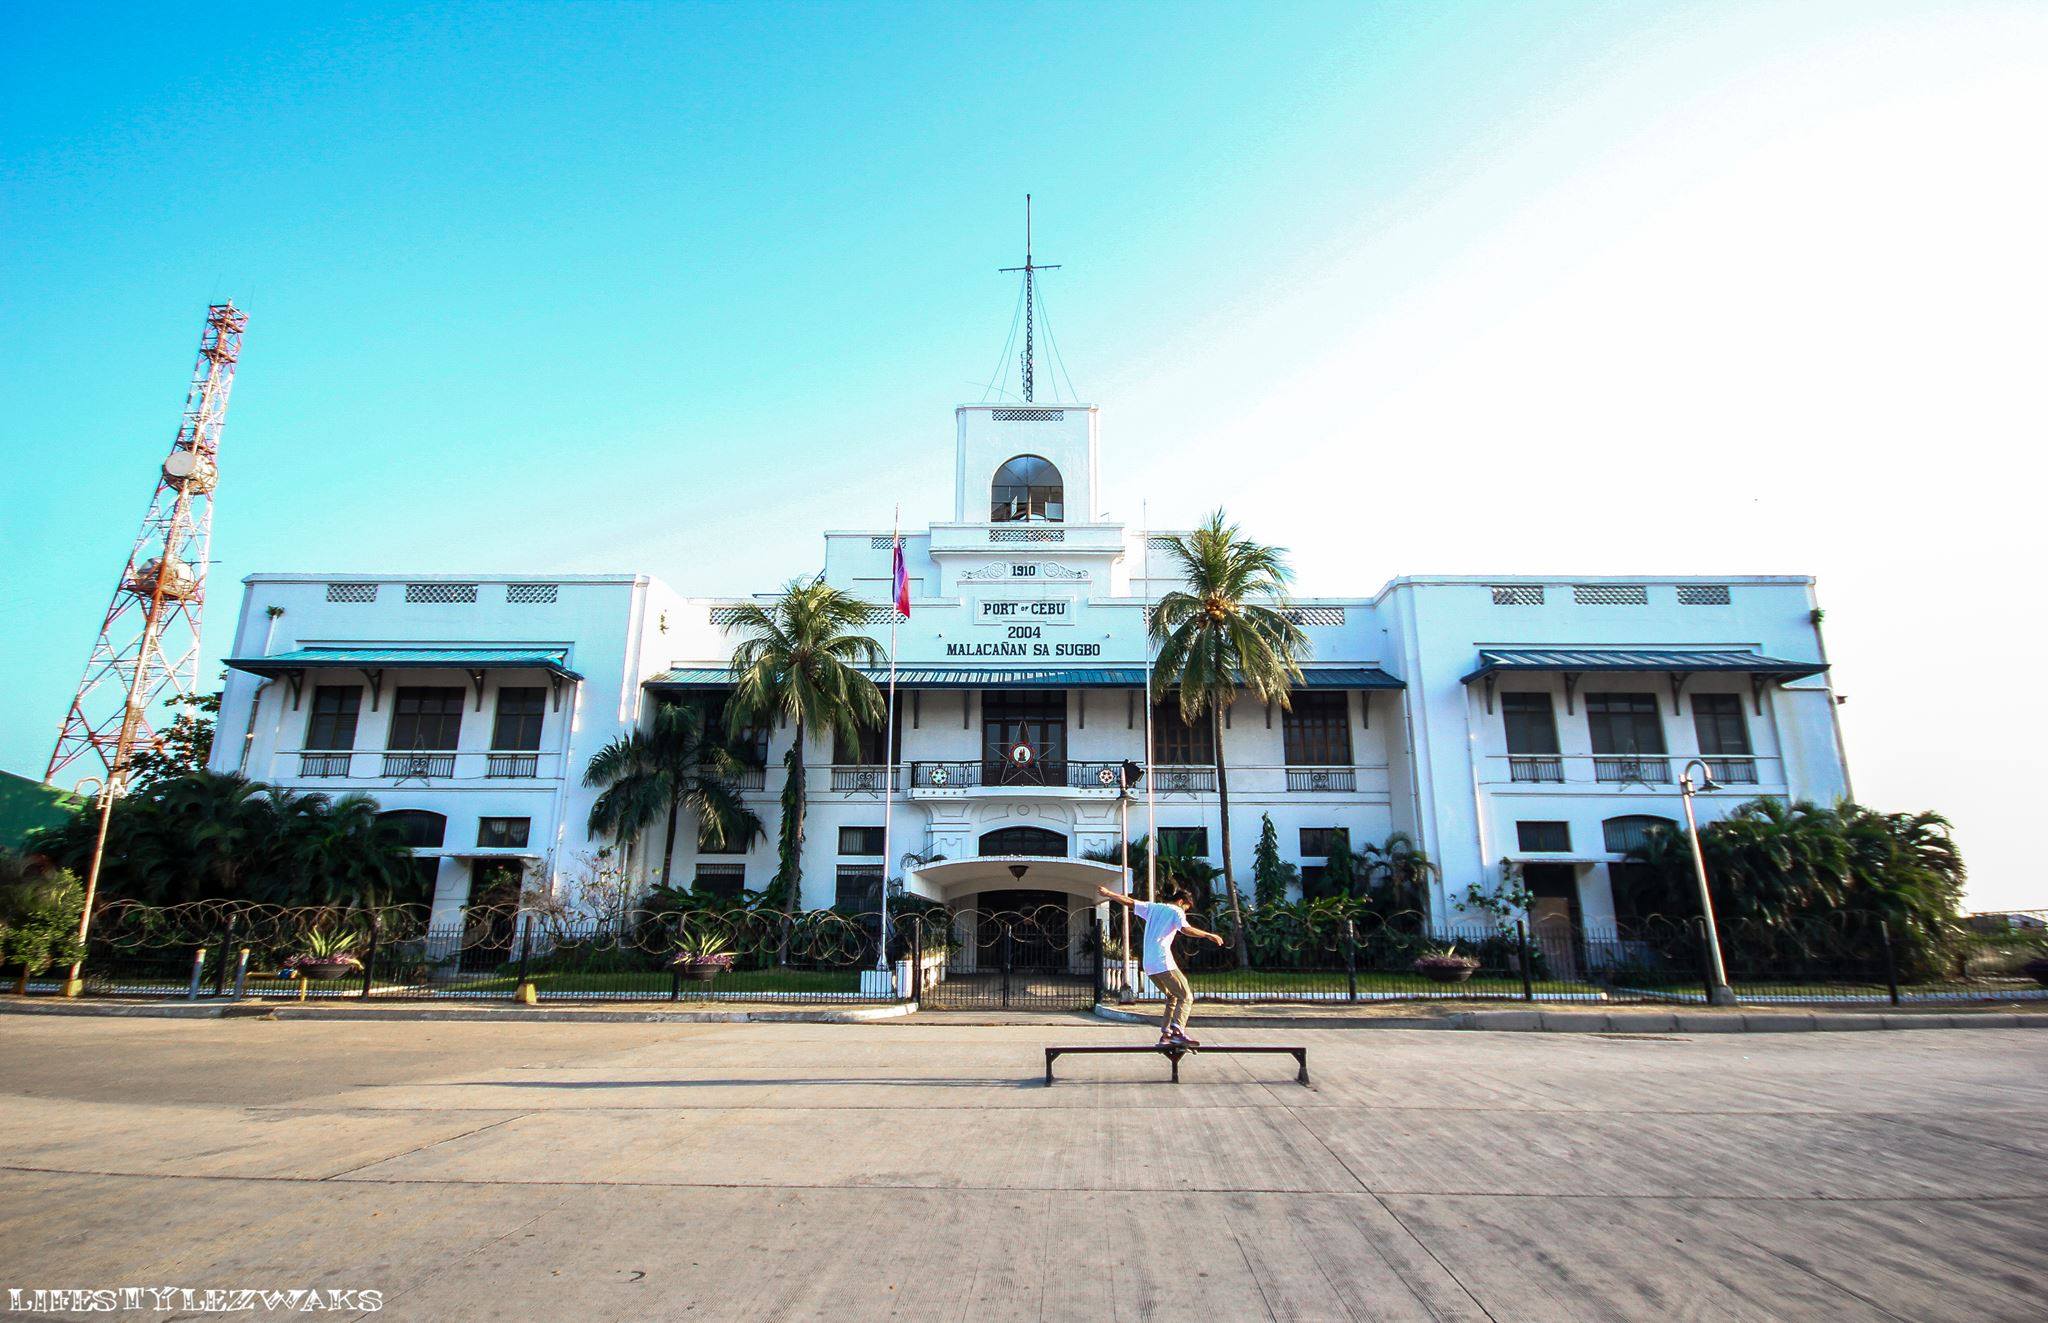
(1718, 719)
(1544, 837)
(860, 840)
(1530, 722)
(1316, 730)
(734, 843)
(426, 719)
(1624, 723)
(1024, 840)
(859, 888)
(421, 830)
(1184, 841)
(720, 879)
(1027, 488)
(333, 723)
(1623, 834)
(1317, 842)
(865, 749)
(503, 833)
(750, 745)
(519, 718)
(1177, 744)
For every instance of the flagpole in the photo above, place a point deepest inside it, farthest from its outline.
(1151, 805)
(889, 745)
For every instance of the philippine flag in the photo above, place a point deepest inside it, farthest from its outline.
(901, 581)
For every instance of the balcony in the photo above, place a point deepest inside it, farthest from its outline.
(1650, 769)
(862, 778)
(368, 767)
(1182, 780)
(322, 765)
(1534, 767)
(1000, 773)
(1732, 771)
(500, 765)
(1321, 780)
(1618, 771)
(414, 765)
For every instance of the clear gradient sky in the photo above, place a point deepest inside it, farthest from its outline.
(1533, 288)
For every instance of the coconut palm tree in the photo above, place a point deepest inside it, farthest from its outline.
(1223, 630)
(678, 761)
(798, 662)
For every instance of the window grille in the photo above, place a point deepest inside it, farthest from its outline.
(1703, 594)
(1029, 415)
(532, 594)
(1027, 535)
(724, 615)
(720, 879)
(1610, 594)
(1315, 615)
(440, 592)
(1518, 594)
(880, 542)
(1161, 542)
(351, 592)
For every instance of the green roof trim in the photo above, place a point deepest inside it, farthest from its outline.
(30, 806)
(1493, 661)
(555, 660)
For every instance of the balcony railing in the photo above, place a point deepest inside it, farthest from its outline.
(501, 765)
(862, 778)
(412, 765)
(1732, 771)
(1652, 769)
(324, 764)
(1534, 767)
(1321, 779)
(1184, 780)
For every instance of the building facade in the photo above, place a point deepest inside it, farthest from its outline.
(1510, 725)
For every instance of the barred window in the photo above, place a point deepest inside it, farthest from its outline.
(859, 888)
(1544, 837)
(440, 592)
(1321, 842)
(729, 880)
(351, 592)
(1316, 730)
(1518, 594)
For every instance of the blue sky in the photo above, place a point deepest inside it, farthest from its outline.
(1415, 288)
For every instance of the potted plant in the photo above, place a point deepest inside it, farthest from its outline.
(702, 956)
(1445, 966)
(327, 955)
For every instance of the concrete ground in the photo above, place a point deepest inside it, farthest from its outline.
(923, 1170)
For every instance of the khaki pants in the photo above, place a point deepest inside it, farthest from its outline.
(1180, 998)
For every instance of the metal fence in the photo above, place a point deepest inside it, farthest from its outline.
(1050, 957)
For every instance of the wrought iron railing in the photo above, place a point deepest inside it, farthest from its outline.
(324, 764)
(413, 766)
(1732, 771)
(1183, 780)
(1653, 769)
(1318, 779)
(862, 778)
(1535, 767)
(512, 765)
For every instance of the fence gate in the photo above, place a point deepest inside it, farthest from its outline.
(1029, 959)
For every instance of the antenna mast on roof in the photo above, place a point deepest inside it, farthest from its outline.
(1029, 269)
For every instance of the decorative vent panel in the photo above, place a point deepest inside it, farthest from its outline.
(724, 615)
(1162, 543)
(1315, 615)
(1610, 594)
(1703, 594)
(1028, 415)
(532, 594)
(879, 542)
(1027, 535)
(440, 592)
(351, 592)
(1518, 594)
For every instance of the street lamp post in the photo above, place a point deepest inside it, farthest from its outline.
(1719, 993)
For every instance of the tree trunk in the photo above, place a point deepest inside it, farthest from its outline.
(668, 848)
(1223, 810)
(795, 833)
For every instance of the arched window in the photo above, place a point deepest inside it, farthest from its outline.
(422, 830)
(1025, 840)
(1027, 488)
(1625, 834)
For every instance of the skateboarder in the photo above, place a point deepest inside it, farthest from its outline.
(1164, 920)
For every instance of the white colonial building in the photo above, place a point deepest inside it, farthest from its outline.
(1541, 721)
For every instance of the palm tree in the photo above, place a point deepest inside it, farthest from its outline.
(1398, 873)
(799, 662)
(678, 761)
(1223, 631)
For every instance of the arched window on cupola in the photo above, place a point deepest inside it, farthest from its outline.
(1027, 488)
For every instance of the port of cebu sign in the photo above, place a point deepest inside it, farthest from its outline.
(1023, 622)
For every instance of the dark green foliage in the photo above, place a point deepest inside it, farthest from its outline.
(39, 909)
(1271, 875)
(678, 762)
(218, 836)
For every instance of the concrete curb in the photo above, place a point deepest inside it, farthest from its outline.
(1625, 1022)
(258, 1010)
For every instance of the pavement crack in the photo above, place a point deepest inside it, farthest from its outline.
(421, 1148)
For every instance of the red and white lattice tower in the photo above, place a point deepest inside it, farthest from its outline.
(148, 648)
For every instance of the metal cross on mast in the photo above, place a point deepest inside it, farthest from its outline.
(1030, 269)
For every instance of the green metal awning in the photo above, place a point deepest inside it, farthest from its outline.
(1493, 661)
(555, 661)
(1015, 677)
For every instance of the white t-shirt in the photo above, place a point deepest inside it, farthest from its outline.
(1162, 923)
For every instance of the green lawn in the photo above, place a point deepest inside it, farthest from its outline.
(655, 983)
